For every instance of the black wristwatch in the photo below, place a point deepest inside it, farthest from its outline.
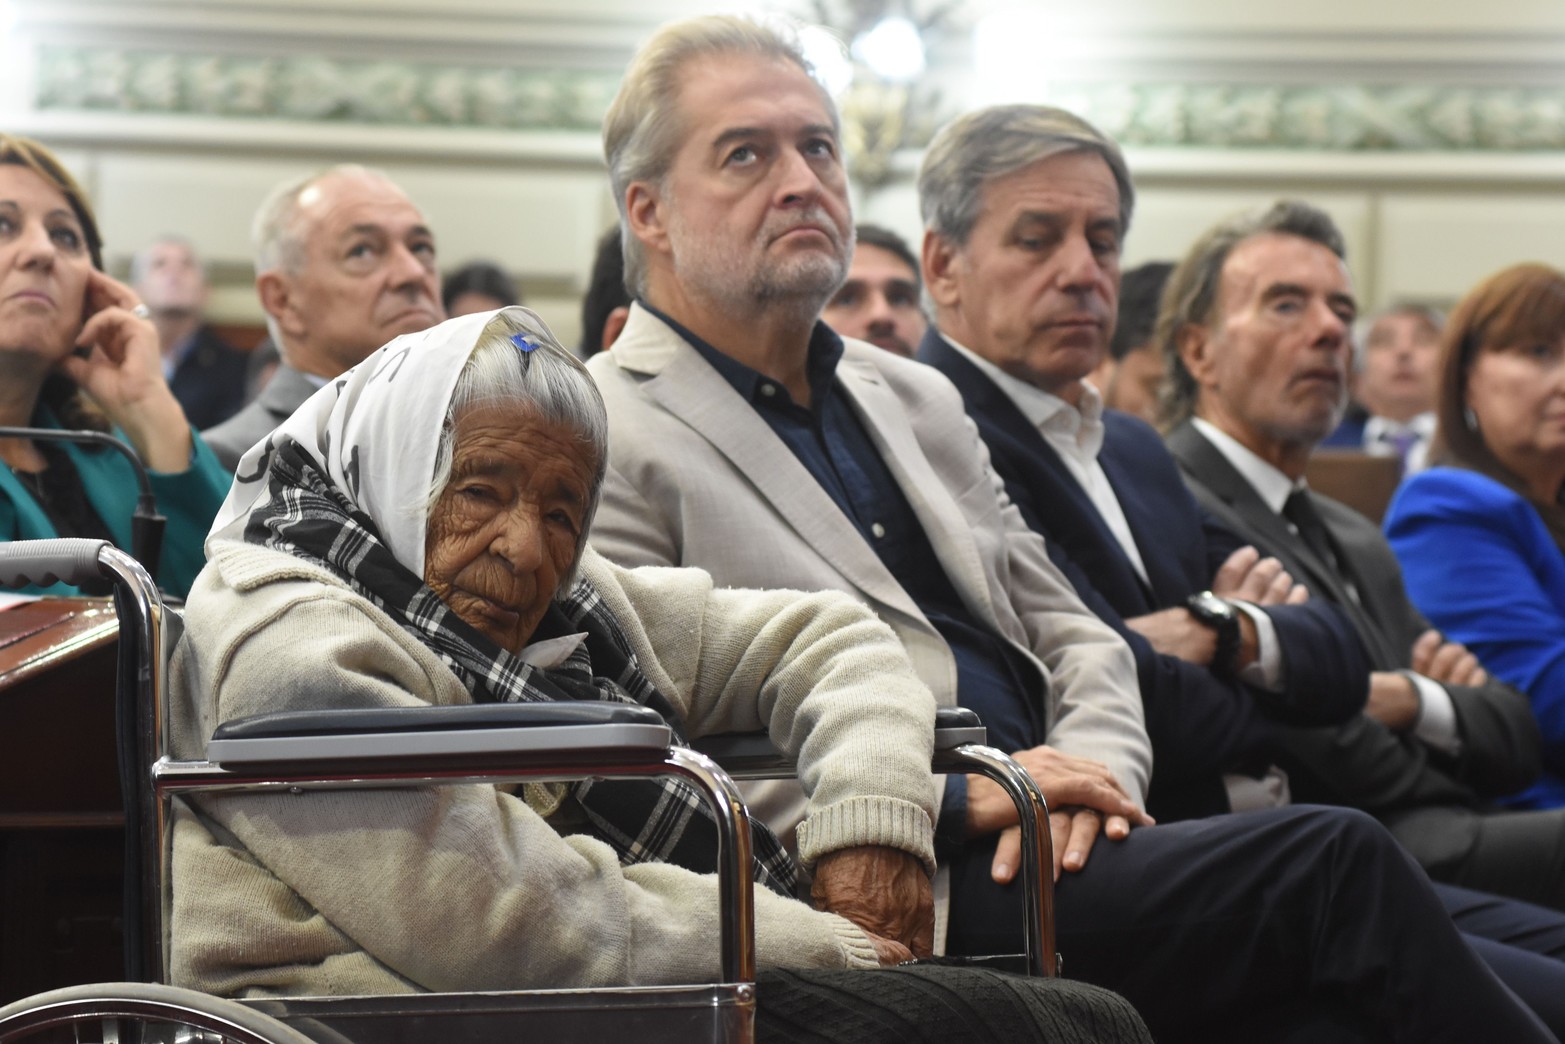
(1221, 617)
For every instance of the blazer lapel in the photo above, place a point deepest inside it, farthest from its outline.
(1032, 463)
(1207, 466)
(1167, 584)
(890, 429)
(685, 385)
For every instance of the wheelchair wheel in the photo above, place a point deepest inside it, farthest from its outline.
(138, 1013)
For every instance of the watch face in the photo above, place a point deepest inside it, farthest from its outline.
(1212, 605)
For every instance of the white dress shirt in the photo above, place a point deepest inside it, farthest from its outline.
(1436, 724)
(1381, 435)
(1076, 434)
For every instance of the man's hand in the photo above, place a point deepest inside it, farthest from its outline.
(1393, 700)
(1448, 663)
(1248, 577)
(1084, 799)
(1175, 632)
(884, 891)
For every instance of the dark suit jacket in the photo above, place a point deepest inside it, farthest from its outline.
(1201, 726)
(1383, 773)
(285, 393)
(210, 381)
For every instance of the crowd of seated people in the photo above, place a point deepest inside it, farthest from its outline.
(1294, 796)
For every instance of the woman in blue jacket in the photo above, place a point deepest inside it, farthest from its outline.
(1482, 539)
(76, 351)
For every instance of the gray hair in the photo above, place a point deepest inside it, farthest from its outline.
(1432, 318)
(642, 130)
(1190, 299)
(548, 380)
(275, 234)
(140, 259)
(974, 149)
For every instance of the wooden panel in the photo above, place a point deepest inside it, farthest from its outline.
(61, 841)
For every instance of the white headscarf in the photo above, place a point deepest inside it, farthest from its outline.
(375, 431)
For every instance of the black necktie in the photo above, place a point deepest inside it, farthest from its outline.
(1307, 521)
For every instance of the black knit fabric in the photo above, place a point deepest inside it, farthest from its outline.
(932, 1004)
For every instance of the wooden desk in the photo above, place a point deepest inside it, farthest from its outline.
(61, 825)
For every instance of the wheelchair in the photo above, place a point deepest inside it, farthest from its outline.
(510, 743)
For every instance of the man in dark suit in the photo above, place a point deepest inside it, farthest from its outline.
(1103, 490)
(1256, 331)
(205, 372)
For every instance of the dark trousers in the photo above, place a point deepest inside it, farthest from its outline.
(936, 1005)
(1294, 924)
(1520, 854)
(1524, 945)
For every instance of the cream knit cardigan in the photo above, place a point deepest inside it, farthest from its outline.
(465, 887)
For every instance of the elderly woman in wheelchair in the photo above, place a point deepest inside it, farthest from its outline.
(415, 535)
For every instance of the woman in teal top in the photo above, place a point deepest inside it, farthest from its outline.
(75, 353)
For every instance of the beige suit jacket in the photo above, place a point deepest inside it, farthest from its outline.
(696, 477)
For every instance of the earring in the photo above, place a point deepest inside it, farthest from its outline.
(1470, 418)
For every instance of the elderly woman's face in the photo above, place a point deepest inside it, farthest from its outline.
(505, 529)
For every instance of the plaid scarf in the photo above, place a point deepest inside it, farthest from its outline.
(655, 820)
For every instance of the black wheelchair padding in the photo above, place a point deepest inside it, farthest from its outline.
(338, 722)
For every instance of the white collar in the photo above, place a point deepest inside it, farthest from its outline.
(1049, 413)
(1377, 427)
(1270, 484)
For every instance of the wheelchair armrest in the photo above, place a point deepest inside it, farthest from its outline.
(751, 755)
(300, 737)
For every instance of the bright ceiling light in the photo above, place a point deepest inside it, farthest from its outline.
(892, 49)
(826, 55)
(1011, 56)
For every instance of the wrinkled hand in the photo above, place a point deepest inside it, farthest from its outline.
(122, 369)
(1393, 700)
(888, 951)
(1248, 577)
(1084, 800)
(884, 891)
(1449, 663)
(1175, 632)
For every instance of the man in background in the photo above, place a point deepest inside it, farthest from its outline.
(607, 304)
(1130, 376)
(1398, 371)
(205, 373)
(880, 303)
(344, 262)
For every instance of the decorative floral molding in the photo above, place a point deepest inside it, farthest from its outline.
(315, 88)
(320, 89)
(1340, 118)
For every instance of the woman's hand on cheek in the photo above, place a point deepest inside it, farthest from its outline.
(119, 363)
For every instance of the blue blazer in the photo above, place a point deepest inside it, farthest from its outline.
(189, 500)
(1201, 726)
(1480, 563)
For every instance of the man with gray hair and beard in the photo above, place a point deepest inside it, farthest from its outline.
(344, 262)
(748, 439)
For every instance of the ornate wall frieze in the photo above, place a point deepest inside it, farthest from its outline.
(1354, 118)
(322, 89)
(316, 88)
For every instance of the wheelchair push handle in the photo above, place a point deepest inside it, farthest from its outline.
(44, 562)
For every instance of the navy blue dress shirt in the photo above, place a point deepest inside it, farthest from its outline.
(830, 441)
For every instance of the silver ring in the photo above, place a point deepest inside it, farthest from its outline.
(141, 311)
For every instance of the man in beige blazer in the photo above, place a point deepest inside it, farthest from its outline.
(747, 439)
